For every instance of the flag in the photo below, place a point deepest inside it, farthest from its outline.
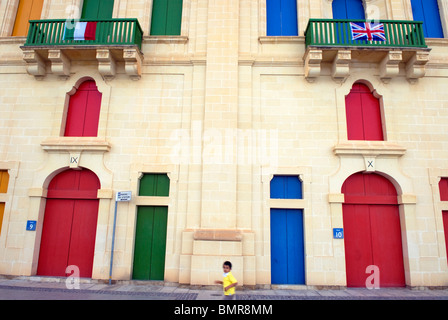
(80, 31)
(367, 31)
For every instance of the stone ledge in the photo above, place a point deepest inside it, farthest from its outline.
(76, 144)
(371, 148)
(218, 235)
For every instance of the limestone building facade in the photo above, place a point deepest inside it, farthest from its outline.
(255, 131)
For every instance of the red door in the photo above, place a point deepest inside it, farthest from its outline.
(443, 189)
(363, 114)
(83, 112)
(372, 232)
(70, 221)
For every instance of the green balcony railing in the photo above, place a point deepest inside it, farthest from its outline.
(332, 32)
(108, 32)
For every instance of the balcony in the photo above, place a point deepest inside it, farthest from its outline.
(389, 43)
(58, 43)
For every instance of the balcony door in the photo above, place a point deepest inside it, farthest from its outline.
(348, 9)
(97, 9)
(428, 12)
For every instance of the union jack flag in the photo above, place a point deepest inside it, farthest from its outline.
(367, 31)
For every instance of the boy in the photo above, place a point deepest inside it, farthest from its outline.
(229, 282)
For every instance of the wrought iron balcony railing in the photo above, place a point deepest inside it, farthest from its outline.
(106, 32)
(338, 33)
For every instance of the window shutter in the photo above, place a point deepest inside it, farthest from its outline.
(443, 189)
(27, 10)
(84, 111)
(348, 9)
(166, 17)
(363, 115)
(281, 17)
(154, 185)
(97, 9)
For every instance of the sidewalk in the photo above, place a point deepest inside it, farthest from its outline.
(41, 288)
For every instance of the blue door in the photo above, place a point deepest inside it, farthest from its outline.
(287, 247)
(348, 9)
(430, 15)
(281, 17)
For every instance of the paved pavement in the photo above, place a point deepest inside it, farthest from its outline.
(37, 288)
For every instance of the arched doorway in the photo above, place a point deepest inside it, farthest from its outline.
(70, 223)
(372, 232)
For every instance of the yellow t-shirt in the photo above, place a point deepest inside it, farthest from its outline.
(228, 280)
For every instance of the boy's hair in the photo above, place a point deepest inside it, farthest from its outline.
(228, 263)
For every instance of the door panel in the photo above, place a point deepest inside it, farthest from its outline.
(279, 249)
(74, 126)
(371, 114)
(363, 114)
(55, 241)
(174, 17)
(159, 243)
(353, 110)
(143, 243)
(70, 222)
(92, 114)
(289, 17)
(83, 234)
(84, 111)
(428, 12)
(150, 243)
(274, 23)
(372, 230)
(386, 244)
(296, 254)
(358, 243)
(287, 247)
(445, 226)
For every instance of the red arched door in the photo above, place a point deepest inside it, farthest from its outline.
(372, 232)
(70, 222)
(83, 112)
(363, 114)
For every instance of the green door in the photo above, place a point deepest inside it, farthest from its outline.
(97, 9)
(150, 243)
